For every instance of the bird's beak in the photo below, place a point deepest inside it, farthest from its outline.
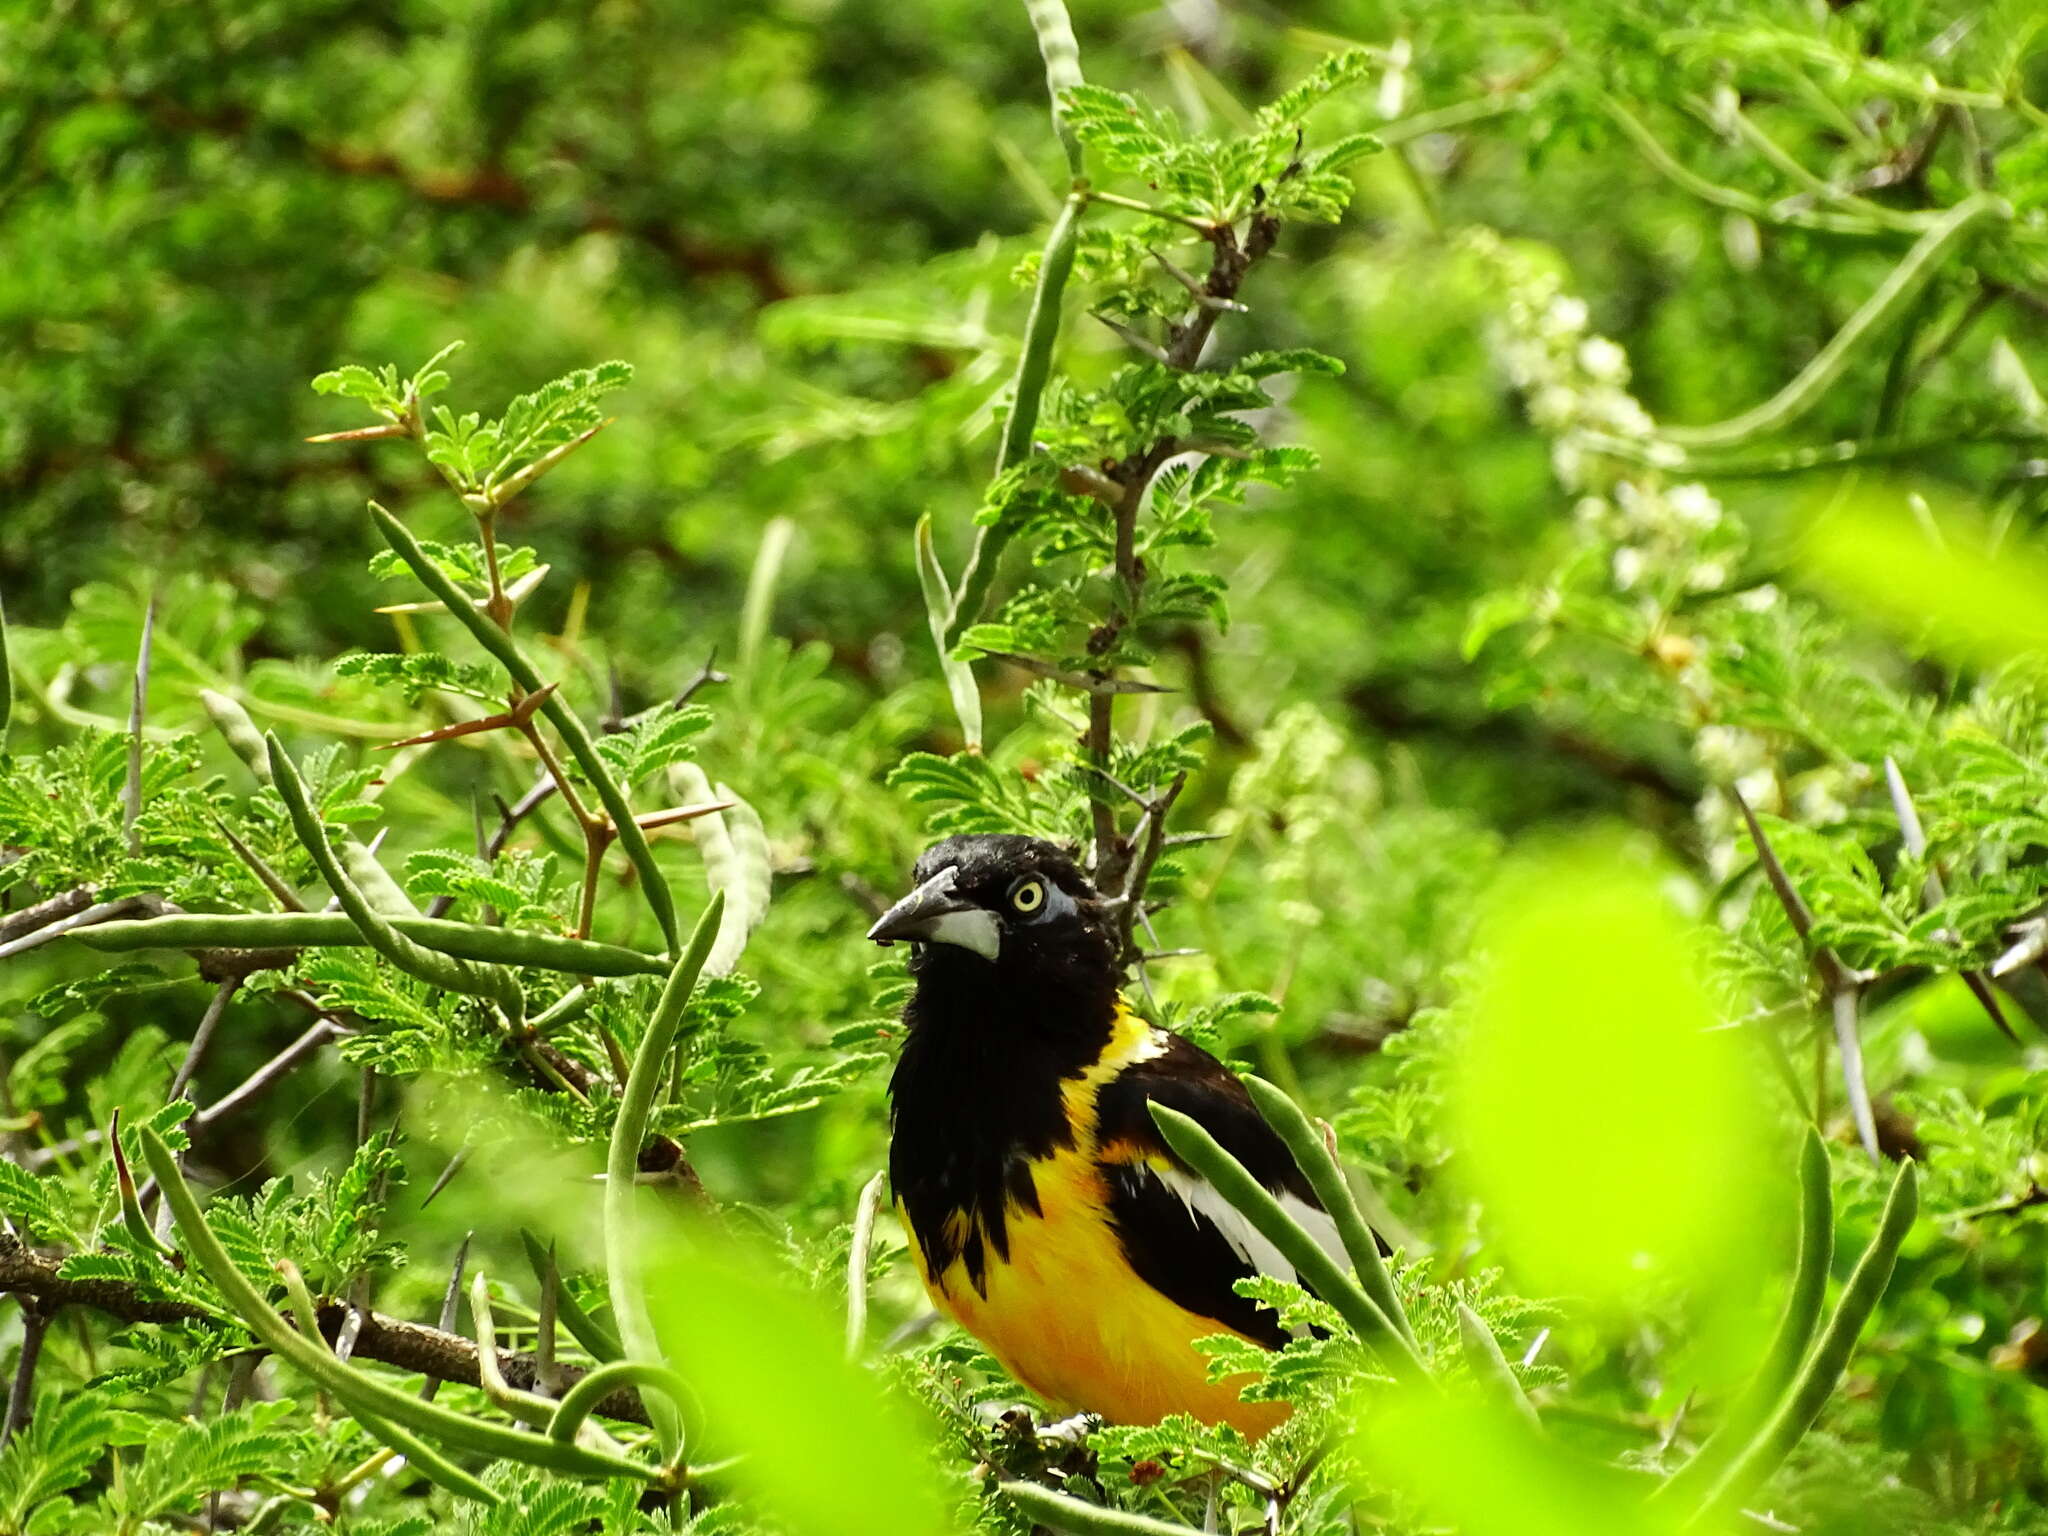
(932, 914)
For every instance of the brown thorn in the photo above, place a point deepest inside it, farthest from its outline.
(374, 434)
(1796, 909)
(681, 813)
(498, 495)
(517, 718)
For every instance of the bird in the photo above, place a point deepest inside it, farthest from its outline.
(1047, 1216)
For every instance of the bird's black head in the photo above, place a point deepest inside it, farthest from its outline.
(997, 913)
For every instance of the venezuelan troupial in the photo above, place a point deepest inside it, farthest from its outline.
(1047, 1216)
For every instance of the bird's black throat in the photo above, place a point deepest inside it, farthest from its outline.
(976, 1095)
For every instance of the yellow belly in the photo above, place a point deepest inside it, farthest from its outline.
(1069, 1319)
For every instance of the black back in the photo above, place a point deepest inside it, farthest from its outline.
(1174, 1250)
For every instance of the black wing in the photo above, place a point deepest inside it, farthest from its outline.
(1179, 1234)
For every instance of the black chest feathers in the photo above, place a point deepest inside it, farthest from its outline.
(976, 1099)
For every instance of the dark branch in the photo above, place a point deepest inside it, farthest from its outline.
(1119, 864)
(388, 1340)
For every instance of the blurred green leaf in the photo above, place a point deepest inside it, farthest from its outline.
(823, 1445)
(1473, 1463)
(1932, 580)
(1615, 1137)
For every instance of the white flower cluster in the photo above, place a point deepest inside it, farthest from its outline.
(1655, 542)
(1574, 383)
(1663, 540)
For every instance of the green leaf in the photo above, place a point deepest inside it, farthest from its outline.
(1592, 993)
(65, 1438)
(660, 739)
(415, 672)
(1337, 72)
(1933, 581)
(199, 1458)
(826, 1449)
(28, 1202)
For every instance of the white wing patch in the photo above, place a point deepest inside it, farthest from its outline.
(1204, 1200)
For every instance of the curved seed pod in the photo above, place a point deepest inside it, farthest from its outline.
(238, 730)
(1034, 367)
(752, 867)
(1891, 299)
(495, 983)
(735, 854)
(356, 1390)
(247, 743)
(622, 1249)
(1252, 1200)
(1062, 57)
(1327, 1179)
(307, 930)
(586, 1330)
(1788, 1345)
(379, 889)
(595, 1387)
(1064, 1513)
(1490, 1366)
(433, 1466)
(527, 1407)
(1823, 1369)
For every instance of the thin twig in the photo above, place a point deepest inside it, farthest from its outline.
(1148, 856)
(29, 919)
(1195, 289)
(287, 899)
(543, 786)
(1914, 836)
(97, 913)
(202, 1037)
(2029, 943)
(35, 1323)
(706, 675)
(1844, 986)
(270, 1073)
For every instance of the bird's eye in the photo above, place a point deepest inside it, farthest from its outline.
(1027, 895)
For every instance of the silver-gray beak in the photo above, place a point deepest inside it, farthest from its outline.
(932, 914)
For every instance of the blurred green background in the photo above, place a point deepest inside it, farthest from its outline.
(800, 223)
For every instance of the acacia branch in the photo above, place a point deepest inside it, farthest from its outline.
(391, 1341)
(1118, 864)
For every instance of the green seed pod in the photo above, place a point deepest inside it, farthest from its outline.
(238, 730)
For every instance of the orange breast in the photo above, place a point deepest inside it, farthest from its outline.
(1065, 1313)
